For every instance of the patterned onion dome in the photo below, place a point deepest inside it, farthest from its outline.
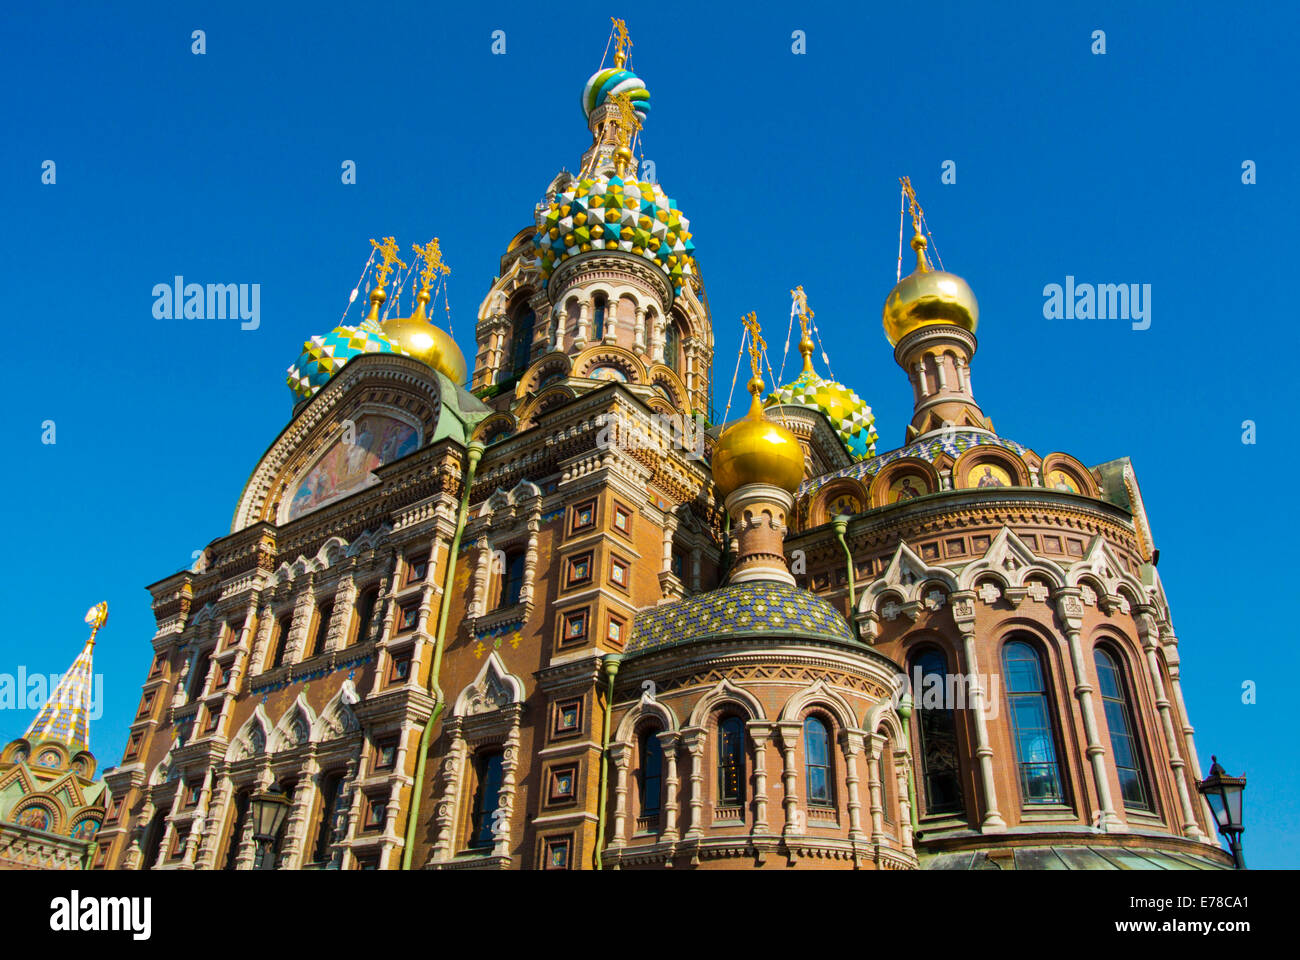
(605, 83)
(848, 413)
(322, 357)
(603, 212)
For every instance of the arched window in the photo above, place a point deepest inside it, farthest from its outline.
(651, 774)
(280, 640)
(512, 580)
(672, 345)
(366, 613)
(331, 795)
(236, 828)
(1031, 724)
(598, 307)
(731, 762)
(937, 730)
(487, 798)
(1119, 721)
(153, 839)
(200, 678)
(521, 340)
(320, 629)
(817, 760)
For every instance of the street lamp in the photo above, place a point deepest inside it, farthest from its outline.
(269, 807)
(1224, 795)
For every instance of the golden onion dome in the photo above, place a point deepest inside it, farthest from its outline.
(927, 298)
(757, 450)
(432, 345)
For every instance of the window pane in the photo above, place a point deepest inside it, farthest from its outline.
(1031, 725)
(486, 800)
(937, 729)
(652, 758)
(1123, 746)
(731, 761)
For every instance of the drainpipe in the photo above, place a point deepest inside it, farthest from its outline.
(474, 452)
(840, 524)
(611, 664)
(904, 710)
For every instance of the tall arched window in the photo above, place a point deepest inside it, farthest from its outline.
(512, 580)
(937, 730)
(672, 345)
(280, 641)
(320, 630)
(236, 828)
(331, 794)
(200, 677)
(731, 761)
(817, 761)
(1119, 721)
(366, 613)
(598, 308)
(651, 775)
(1031, 724)
(487, 798)
(521, 340)
(153, 838)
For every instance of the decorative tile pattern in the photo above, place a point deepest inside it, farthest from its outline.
(65, 715)
(848, 413)
(322, 357)
(742, 610)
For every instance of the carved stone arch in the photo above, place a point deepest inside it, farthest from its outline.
(726, 692)
(546, 400)
(252, 737)
(369, 540)
(907, 575)
(551, 368)
(494, 688)
(295, 727)
(162, 771)
(968, 464)
(1101, 563)
(524, 490)
(1010, 560)
(664, 376)
(332, 551)
(883, 717)
(337, 718)
(660, 406)
(819, 694)
(203, 615)
(1082, 477)
(645, 709)
(837, 494)
(924, 479)
(495, 428)
(610, 354)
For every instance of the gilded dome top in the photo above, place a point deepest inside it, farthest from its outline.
(757, 450)
(927, 298)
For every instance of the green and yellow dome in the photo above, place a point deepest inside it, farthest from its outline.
(848, 413)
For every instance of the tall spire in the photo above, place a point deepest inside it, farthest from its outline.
(66, 715)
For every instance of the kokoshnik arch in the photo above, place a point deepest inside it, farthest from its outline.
(460, 632)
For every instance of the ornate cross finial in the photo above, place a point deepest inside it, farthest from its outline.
(756, 347)
(624, 41)
(918, 217)
(431, 253)
(387, 250)
(96, 616)
(801, 305)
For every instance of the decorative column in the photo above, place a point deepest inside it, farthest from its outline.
(621, 754)
(580, 337)
(789, 734)
(920, 378)
(302, 611)
(670, 742)
(215, 817)
(1143, 614)
(657, 340)
(345, 597)
(962, 603)
(851, 742)
(534, 525)
(304, 797)
(901, 762)
(639, 345)
(478, 594)
(875, 744)
(759, 732)
(200, 824)
(509, 765)
(1070, 609)
(693, 740)
(451, 778)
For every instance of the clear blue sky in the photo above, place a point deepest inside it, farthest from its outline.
(226, 168)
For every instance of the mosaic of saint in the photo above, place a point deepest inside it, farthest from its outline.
(988, 475)
(905, 488)
(1060, 480)
(346, 467)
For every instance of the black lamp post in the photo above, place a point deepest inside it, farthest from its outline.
(1224, 795)
(269, 808)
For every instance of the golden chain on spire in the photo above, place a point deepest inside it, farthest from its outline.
(387, 250)
(624, 41)
(431, 253)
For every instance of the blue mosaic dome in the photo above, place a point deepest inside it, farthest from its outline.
(322, 357)
(760, 608)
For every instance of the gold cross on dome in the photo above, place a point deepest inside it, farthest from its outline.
(801, 304)
(624, 41)
(387, 250)
(756, 342)
(431, 253)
